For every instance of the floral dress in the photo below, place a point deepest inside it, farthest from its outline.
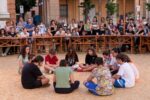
(104, 81)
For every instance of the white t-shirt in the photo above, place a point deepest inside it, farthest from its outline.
(73, 26)
(67, 36)
(34, 33)
(42, 29)
(24, 35)
(126, 73)
(113, 62)
(58, 33)
(135, 70)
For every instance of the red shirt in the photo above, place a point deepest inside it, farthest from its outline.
(51, 60)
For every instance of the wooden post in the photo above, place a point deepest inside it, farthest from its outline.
(124, 13)
(132, 44)
(140, 11)
(67, 11)
(140, 45)
(97, 49)
(99, 10)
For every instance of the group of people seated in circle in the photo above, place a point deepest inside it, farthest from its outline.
(112, 70)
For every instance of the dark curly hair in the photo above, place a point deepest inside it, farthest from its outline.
(93, 50)
(23, 51)
(116, 50)
(123, 57)
(99, 61)
(71, 52)
(38, 59)
(3, 31)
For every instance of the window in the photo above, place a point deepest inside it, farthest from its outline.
(63, 11)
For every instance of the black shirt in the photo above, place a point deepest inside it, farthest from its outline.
(81, 29)
(141, 31)
(12, 34)
(120, 28)
(102, 32)
(90, 59)
(130, 32)
(30, 74)
(71, 60)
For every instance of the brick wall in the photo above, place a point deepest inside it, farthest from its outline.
(12, 9)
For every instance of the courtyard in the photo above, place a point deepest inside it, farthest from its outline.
(11, 89)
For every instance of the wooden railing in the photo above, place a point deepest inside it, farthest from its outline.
(12, 42)
(99, 42)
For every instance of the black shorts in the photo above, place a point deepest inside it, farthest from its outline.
(36, 84)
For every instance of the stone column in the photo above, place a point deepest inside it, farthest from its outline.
(147, 12)
(137, 5)
(115, 15)
(81, 17)
(4, 15)
(54, 10)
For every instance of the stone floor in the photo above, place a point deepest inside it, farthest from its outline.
(11, 89)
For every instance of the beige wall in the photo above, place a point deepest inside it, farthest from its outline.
(75, 12)
(129, 6)
(73, 9)
(53, 9)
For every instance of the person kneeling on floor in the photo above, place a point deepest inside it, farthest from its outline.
(31, 76)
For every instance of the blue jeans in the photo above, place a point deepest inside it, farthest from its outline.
(119, 83)
(91, 87)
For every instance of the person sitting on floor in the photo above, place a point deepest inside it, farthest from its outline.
(71, 57)
(133, 66)
(64, 80)
(114, 67)
(31, 76)
(125, 77)
(23, 57)
(89, 61)
(106, 58)
(104, 86)
(51, 61)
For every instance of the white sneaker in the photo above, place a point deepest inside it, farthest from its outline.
(76, 66)
(4, 54)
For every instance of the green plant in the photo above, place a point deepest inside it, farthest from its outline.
(112, 8)
(148, 6)
(28, 4)
(87, 5)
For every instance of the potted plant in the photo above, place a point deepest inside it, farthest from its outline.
(148, 8)
(87, 5)
(112, 8)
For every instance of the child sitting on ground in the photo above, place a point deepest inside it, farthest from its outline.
(106, 58)
(23, 57)
(125, 77)
(104, 84)
(31, 76)
(89, 61)
(51, 61)
(71, 57)
(114, 67)
(133, 66)
(64, 80)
